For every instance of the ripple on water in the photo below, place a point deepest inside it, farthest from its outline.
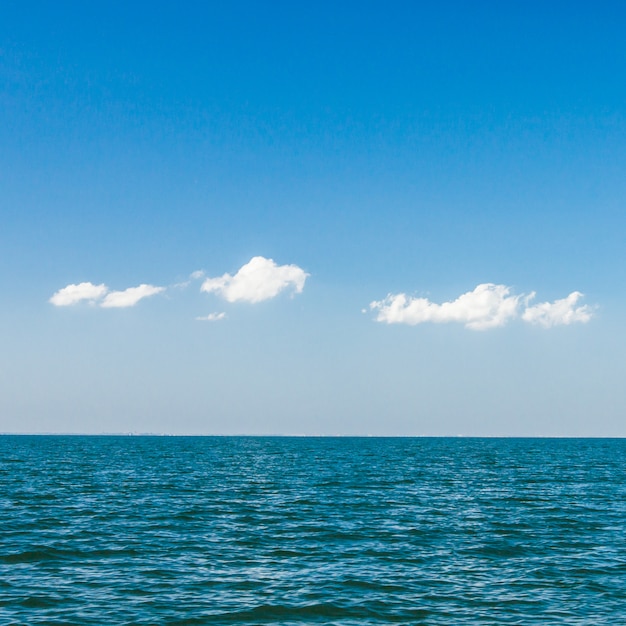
(148, 530)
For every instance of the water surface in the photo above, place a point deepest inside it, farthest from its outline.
(262, 530)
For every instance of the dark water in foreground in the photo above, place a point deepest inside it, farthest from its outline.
(156, 530)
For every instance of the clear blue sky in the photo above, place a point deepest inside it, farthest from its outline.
(386, 157)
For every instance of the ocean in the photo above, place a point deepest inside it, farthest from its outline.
(280, 530)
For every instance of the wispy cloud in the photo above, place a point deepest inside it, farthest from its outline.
(129, 297)
(73, 294)
(212, 317)
(259, 279)
(197, 275)
(559, 312)
(487, 306)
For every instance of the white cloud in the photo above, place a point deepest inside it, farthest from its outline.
(130, 296)
(73, 294)
(197, 275)
(487, 306)
(259, 279)
(212, 317)
(559, 312)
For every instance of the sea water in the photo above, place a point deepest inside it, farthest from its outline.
(262, 530)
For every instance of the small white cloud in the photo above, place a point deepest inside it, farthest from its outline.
(72, 294)
(559, 312)
(259, 279)
(197, 275)
(212, 317)
(487, 306)
(130, 296)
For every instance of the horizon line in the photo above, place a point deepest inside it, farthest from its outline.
(301, 436)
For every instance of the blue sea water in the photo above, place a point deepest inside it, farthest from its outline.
(262, 530)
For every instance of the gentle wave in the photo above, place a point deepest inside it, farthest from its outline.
(219, 530)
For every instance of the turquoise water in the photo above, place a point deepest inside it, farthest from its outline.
(247, 530)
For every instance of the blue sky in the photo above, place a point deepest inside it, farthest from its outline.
(334, 174)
